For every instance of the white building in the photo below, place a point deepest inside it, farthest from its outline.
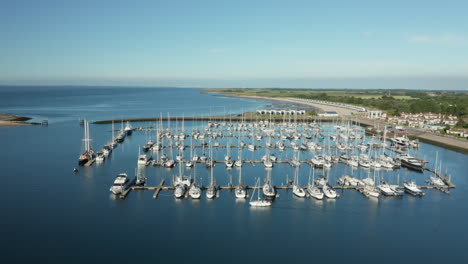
(281, 112)
(328, 114)
(376, 114)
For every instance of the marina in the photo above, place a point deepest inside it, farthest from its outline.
(321, 146)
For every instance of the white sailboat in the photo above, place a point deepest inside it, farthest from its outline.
(181, 183)
(211, 191)
(297, 189)
(194, 190)
(313, 190)
(268, 189)
(241, 191)
(259, 202)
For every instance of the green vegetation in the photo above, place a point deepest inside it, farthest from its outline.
(394, 101)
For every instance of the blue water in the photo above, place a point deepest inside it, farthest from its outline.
(50, 214)
(98, 103)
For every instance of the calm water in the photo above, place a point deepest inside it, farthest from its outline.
(51, 214)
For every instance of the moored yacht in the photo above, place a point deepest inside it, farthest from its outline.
(128, 129)
(120, 184)
(413, 189)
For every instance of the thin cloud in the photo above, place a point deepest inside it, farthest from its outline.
(447, 39)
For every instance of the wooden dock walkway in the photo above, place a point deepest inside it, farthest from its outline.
(156, 193)
(89, 163)
(131, 184)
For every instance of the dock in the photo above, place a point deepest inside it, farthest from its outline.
(156, 193)
(124, 194)
(89, 163)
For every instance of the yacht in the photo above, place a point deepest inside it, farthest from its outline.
(128, 129)
(386, 190)
(411, 162)
(120, 184)
(412, 188)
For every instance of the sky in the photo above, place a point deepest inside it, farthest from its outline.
(291, 44)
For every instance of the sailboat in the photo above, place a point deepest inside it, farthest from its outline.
(181, 184)
(238, 162)
(268, 189)
(297, 190)
(194, 190)
(241, 191)
(142, 159)
(88, 153)
(328, 190)
(312, 189)
(267, 162)
(211, 191)
(259, 202)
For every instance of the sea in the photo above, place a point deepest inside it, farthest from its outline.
(50, 214)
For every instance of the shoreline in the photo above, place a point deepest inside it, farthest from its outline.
(14, 120)
(456, 144)
(325, 108)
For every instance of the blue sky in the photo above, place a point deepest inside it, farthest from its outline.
(316, 44)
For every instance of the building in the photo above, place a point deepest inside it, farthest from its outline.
(328, 114)
(376, 114)
(281, 112)
(458, 132)
(422, 120)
